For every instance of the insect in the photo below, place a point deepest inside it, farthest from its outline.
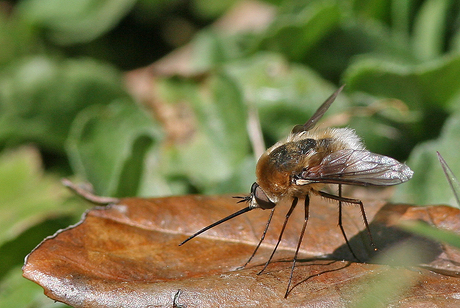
(303, 163)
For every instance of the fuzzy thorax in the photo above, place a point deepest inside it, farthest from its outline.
(278, 166)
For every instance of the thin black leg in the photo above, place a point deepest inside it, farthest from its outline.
(363, 213)
(294, 203)
(307, 209)
(261, 239)
(341, 225)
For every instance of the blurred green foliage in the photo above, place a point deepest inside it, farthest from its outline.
(62, 94)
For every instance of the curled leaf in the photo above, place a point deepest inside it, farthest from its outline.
(127, 255)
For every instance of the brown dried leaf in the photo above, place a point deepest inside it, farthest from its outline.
(127, 255)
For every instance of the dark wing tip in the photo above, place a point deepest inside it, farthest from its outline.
(318, 114)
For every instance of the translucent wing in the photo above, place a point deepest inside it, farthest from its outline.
(318, 114)
(356, 167)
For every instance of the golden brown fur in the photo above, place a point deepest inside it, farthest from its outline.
(300, 151)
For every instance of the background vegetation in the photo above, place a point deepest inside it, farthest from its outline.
(68, 106)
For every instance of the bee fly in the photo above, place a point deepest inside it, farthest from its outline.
(299, 166)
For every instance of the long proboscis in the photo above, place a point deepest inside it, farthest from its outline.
(242, 211)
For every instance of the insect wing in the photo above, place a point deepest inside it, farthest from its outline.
(318, 114)
(357, 167)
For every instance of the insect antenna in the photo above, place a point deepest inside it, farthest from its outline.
(302, 233)
(294, 203)
(242, 211)
(243, 198)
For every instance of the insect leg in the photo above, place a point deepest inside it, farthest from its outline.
(307, 209)
(353, 201)
(341, 225)
(294, 203)
(261, 239)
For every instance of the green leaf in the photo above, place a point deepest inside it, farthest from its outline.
(16, 291)
(208, 50)
(39, 97)
(355, 38)
(429, 184)
(216, 143)
(420, 86)
(16, 37)
(33, 205)
(429, 29)
(210, 8)
(430, 232)
(379, 134)
(372, 9)
(401, 17)
(385, 288)
(113, 147)
(75, 21)
(13, 252)
(27, 197)
(296, 32)
(285, 94)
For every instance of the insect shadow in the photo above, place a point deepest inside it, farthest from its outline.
(386, 236)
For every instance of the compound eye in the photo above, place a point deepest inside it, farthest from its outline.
(261, 198)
